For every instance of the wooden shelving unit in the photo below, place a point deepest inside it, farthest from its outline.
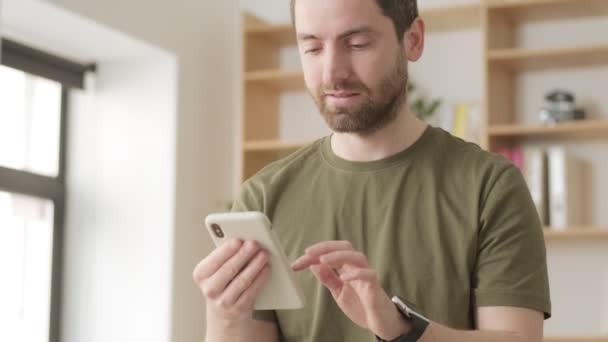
(272, 145)
(556, 58)
(587, 129)
(577, 339)
(452, 18)
(504, 60)
(278, 79)
(520, 11)
(280, 35)
(577, 233)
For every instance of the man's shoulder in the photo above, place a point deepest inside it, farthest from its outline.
(461, 158)
(288, 166)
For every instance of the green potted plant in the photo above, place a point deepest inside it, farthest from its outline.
(423, 108)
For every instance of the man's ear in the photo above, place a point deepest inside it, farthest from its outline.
(413, 40)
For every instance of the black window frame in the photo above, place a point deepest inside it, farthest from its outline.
(70, 75)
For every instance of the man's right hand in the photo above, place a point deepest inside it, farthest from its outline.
(230, 278)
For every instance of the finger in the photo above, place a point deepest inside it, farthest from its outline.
(303, 262)
(216, 284)
(247, 298)
(327, 247)
(340, 258)
(244, 279)
(312, 254)
(364, 274)
(218, 257)
(328, 278)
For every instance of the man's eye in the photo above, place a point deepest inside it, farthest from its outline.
(312, 50)
(359, 46)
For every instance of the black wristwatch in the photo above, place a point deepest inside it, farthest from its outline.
(419, 323)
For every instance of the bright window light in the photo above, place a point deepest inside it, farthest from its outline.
(30, 117)
(26, 241)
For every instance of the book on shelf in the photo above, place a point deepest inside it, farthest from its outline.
(462, 120)
(532, 163)
(568, 177)
(557, 181)
(535, 170)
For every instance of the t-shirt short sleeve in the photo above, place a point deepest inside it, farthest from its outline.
(249, 201)
(511, 268)
(265, 315)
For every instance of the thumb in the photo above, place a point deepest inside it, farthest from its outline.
(328, 278)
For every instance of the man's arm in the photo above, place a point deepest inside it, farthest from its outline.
(497, 324)
(359, 294)
(220, 330)
(230, 278)
(246, 331)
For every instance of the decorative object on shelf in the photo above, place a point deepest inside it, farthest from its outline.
(560, 106)
(424, 110)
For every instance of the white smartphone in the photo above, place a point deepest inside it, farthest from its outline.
(281, 291)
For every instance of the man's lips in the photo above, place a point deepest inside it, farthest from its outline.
(341, 94)
(342, 98)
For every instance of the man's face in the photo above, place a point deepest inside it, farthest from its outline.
(354, 66)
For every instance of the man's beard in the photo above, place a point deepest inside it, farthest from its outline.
(377, 109)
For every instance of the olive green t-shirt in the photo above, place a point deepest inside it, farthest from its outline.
(446, 225)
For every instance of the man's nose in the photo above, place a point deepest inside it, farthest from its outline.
(336, 67)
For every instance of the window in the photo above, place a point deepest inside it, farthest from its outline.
(26, 242)
(30, 109)
(34, 89)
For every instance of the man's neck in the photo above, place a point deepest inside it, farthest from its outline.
(399, 135)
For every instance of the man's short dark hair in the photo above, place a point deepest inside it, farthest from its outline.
(401, 12)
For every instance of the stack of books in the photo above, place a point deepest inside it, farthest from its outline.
(558, 182)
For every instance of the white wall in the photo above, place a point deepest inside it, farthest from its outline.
(204, 37)
(451, 69)
(118, 247)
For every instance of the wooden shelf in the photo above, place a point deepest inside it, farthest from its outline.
(278, 79)
(577, 233)
(538, 10)
(585, 129)
(452, 18)
(272, 146)
(444, 18)
(576, 339)
(280, 34)
(550, 58)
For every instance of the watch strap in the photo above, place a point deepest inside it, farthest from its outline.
(418, 323)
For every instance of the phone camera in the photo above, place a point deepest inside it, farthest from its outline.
(217, 230)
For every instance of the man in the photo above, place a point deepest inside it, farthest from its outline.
(383, 207)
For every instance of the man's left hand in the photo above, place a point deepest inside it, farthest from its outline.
(354, 286)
